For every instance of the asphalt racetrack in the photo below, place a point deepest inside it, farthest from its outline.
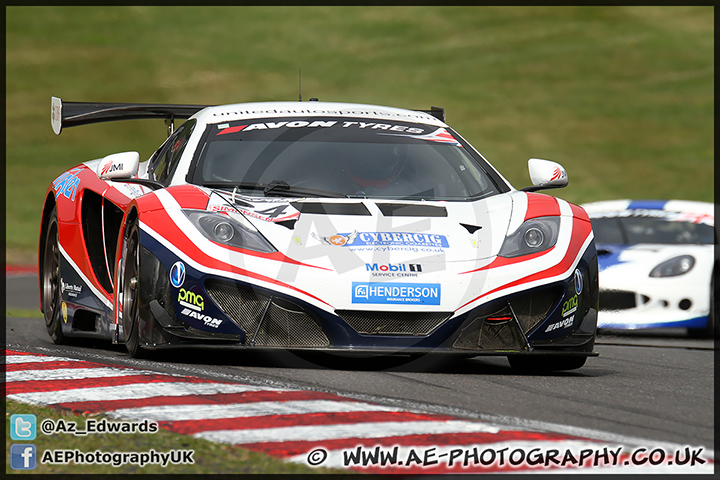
(655, 387)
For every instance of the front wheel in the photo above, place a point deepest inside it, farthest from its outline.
(540, 364)
(51, 282)
(129, 292)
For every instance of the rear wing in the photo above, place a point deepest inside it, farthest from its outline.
(72, 114)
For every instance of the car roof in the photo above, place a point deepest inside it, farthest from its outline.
(682, 206)
(241, 111)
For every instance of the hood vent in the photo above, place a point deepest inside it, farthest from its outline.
(411, 210)
(471, 228)
(320, 208)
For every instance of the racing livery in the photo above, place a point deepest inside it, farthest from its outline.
(315, 226)
(657, 264)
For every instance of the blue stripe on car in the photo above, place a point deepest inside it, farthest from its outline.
(647, 204)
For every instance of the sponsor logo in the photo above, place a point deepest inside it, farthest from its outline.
(23, 457)
(191, 300)
(225, 128)
(206, 319)
(63, 307)
(70, 289)
(565, 323)
(393, 269)
(373, 239)
(111, 167)
(570, 306)
(396, 293)
(23, 427)
(578, 282)
(556, 174)
(67, 184)
(177, 274)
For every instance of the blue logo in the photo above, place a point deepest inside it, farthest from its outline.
(578, 281)
(23, 427)
(23, 457)
(386, 293)
(177, 274)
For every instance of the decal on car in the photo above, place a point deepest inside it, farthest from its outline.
(570, 306)
(393, 270)
(177, 274)
(564, 323)
(396, 293)
(67, 183)
(406, 239)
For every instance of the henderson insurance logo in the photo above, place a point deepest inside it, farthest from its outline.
(396, 293)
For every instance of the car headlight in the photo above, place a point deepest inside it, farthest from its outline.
(674, 267)
(534, 235)
(223, 228)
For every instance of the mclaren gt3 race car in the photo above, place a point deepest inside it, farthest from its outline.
(314, 226)
(657, 264)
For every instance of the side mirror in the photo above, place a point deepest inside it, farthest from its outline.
(546, 174)
(118, 165)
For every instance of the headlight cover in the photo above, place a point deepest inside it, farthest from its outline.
(223, 228)
(674, 267)
(534, 235)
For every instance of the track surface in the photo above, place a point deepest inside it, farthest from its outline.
(659, 387)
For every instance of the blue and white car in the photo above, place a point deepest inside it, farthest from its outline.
(657, 264)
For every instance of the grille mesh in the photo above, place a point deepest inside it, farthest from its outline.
(282, 326)
(532, 309)
(617, 300)
(393, 323)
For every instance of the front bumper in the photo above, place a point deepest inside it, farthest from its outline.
(212, 310)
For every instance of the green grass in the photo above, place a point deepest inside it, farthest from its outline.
(208, 457)
(621, 96)
(23, 312)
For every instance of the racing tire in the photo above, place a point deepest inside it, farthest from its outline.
(538, 364)
(51, 282)
(129, 294)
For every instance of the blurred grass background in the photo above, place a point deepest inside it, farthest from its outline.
(623, 97)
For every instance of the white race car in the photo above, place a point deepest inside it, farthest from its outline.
(657, 264)
(314, 226)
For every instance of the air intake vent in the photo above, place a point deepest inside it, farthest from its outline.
(617, 300)
(493, 332)
(393, 323)
(281, 324)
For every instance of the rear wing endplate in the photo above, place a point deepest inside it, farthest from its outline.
(437, 112)
(72, 114)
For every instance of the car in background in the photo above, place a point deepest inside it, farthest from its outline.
(314, 226)
(657, 264)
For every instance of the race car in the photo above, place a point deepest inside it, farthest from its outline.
(657, 264)
(314, 226)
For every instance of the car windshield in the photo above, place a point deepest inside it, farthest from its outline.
(671, 230)
(345, 157)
